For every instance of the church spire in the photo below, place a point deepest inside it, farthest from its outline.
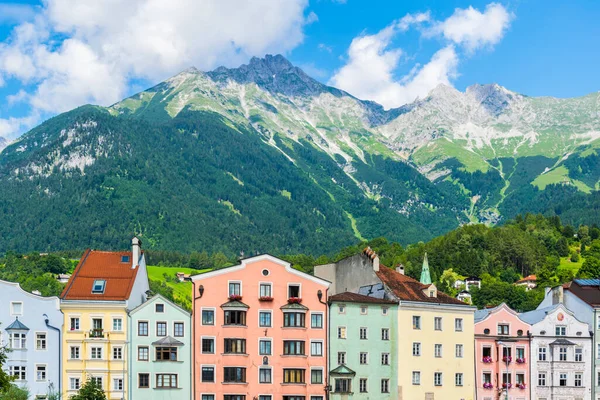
(425, 276)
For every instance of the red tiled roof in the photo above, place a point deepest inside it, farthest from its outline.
(529, 278)
(350, 297)
(103, 265)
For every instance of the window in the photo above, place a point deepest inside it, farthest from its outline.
(506, 352)
(459, 351)
(293, 375)
(142, 328)
(117, 324)
(316, 349)
(487, 352)
(159, 308)
(74, 353)
(342, 385)
(124, 259)
(235, 317)
(520, 353)
(437, 350)
(97, 325)
(264, 319)
(143, 353)
(416, 377)
(458, 324)
(293, 348)
(117, 353)
(208, 346)
(235, 397)
(208, 317)
(97, 380)
(235, 288)
(487, 377)
(16, 308)
(364, 310)
(416, 349)
(341, 357)
(40, 372)
(363, 333)
(96, 353)
(74, 324)
(316, 321)
(341, 332)
(264, 347)
(316, 376)
(264, 375)
(143, 381)
(542, 352)
(98, 287)
(298, 397)
(437, 379)
(385, 358)
(598, 351)
(161, 329)
(166, 354)
(578, 354)
(506, 378)
(385, 386)
(364, 358)
(362, 384)
(293, 291)
(19, 372)
(265, 290)
(562, 354)
(341, 309)
(542, 379)
(166, 380)
(178, 329)
(234, 374)
(503, 329)
(437, 323)
(293, 320)
(562, 381)
(458, 379)
(561, 330)
(385, 334)
(40, 341)
(416, 322)
(385, 310)
(74, 383)
(578, 380)
(208, 374)
(17, 341)
(235, 346)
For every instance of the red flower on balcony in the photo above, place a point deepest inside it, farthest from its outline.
(235, 297)
(488, 385)
(521, 386)
(507, 359)
(265, 298)
(295, 300)
(507, 385)
(521, 360)
(487, 359)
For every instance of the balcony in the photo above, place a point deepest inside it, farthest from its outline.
(97, 333)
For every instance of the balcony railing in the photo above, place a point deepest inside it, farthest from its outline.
(97, 333)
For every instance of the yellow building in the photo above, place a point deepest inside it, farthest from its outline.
(95, 301)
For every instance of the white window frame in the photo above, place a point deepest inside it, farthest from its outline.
(214, 339)
(458, 354)
(322, 314)
(387, 358)
(339, 331)
(417, 374)
(360, 357)
(12, 308)
(322, 347)
(417, 346)
(78, 352)
(113, 353)
(261, 283)
(323, 377)
(360, 333)
(45, 372)
(116, 318)
(213, 309)
(265, 311)
(287, 293)
(265, 339)
(45, 340)
(214, 366)
(235, 281)
(435, 376)
(268, 367)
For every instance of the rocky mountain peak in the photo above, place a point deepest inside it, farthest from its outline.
(493, 97)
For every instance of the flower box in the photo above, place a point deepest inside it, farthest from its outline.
(507, 385)
(488, 385)
(521, 386)
(507, 359)
(235, 297)
(520, 360)
(265, 298)
(487, 359)
(295, 300)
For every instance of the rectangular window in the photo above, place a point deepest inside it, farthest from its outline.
(235, 288)
(235, 346)
(487, 352)
(208, 346)
(578, 354)
(264, 375)
(316, 321)
(208, 317)
(74, 353)
(235, 318)
(97, 380)
(208, 374)
(578, 380)
(437, 323)
(458, 324)
(364, 310)
(143, 353)
(316, 376)
(98, 287)
(364, 358)
(341, 332)
(542, 353)
(458, 379)
(265, 290)
(293, 320)
(363, 333)
(117, 353)
(363, 385)
(96, 353)
(385, 334)
(16, 308)
(117, 324)
(341, 309)
(487, 377)
(17, 341)
(562, 354)
(416, 322)
(19, 372)
(437, 350)
(143, 381)
(520, 353)
(178, 329)
(503, 329)
(74, 383)
(520, 379)
(234, 374)
(166, 354)
(437, 379)
(459, 351)
(342, 385)
(416, 377)
(166, 380)
(235, 397)
(142, 328)
(40, 341)
(293, 291)
(341, 357)
(561, 330)
(562, 381)
(542, 379)
(385, 358)
(264, 347)
(159, 308)
(74, 326)
(384, 310)
(161, 329)
(316, 349)
(293, 348)
(40, 372)
(416, 349)
(293, 375)
(385, 386)
(264, 319)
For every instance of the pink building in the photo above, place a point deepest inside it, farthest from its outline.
(260, 333)
(501, 354)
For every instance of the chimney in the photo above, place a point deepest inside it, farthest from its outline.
(136, 245)
(400, 269)
(558, 295)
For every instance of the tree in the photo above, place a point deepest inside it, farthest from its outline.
(447, 280)
(562, 247)
(90, 390)
(590, 268)
(5, 379)
(14, 392)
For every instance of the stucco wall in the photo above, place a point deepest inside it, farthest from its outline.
(348, 275)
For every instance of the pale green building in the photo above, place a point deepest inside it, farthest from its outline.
(160, 351)
(363, 347)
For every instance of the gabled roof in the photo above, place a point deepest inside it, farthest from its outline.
(167, 341)
(101, 265)
(349, 297)
(294, 306)
(562, 342)
(342, 370)
(480, 315)
(530, 278)
(17, 326)
(158, 297)
(234, 304)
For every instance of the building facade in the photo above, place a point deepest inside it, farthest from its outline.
(501, 354)
(260, 332)
(31, 328)
(95, 301)
(435, 331)
(160, 351)
(363, 347)
(561, 354)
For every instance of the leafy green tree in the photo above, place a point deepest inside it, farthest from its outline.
(575, 257)
(447, 280)
(219, 260)
(14, 392)
(562, 247)
(568, 232)
(590, 268)
(5, 379)
(90, 390)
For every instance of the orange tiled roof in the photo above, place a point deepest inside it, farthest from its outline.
(530, 278)
(104, 265)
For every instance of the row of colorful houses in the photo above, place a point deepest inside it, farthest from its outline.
(262, 330)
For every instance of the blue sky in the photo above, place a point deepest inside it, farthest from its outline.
(58, 54)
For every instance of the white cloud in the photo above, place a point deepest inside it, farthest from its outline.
(369, 71)
(16, 98)
(9, 126)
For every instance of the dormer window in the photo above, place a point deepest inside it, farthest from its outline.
(431, 293)
(99, 286)
(125, 259)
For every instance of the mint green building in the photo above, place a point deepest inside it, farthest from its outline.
(160, 351)
(363, 347)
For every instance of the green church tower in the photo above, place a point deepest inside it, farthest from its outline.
(425, 276)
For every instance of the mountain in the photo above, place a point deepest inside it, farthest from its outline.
(264, 158)
(3, 143)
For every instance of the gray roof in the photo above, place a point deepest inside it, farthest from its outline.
(480, 315)
(234, 304)
(377, 290)
(167, 341)
(562, 342)
(294, 306)
(588, 282)
(535, 316)
(17, 326)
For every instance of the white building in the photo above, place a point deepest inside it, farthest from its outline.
(561, 355)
